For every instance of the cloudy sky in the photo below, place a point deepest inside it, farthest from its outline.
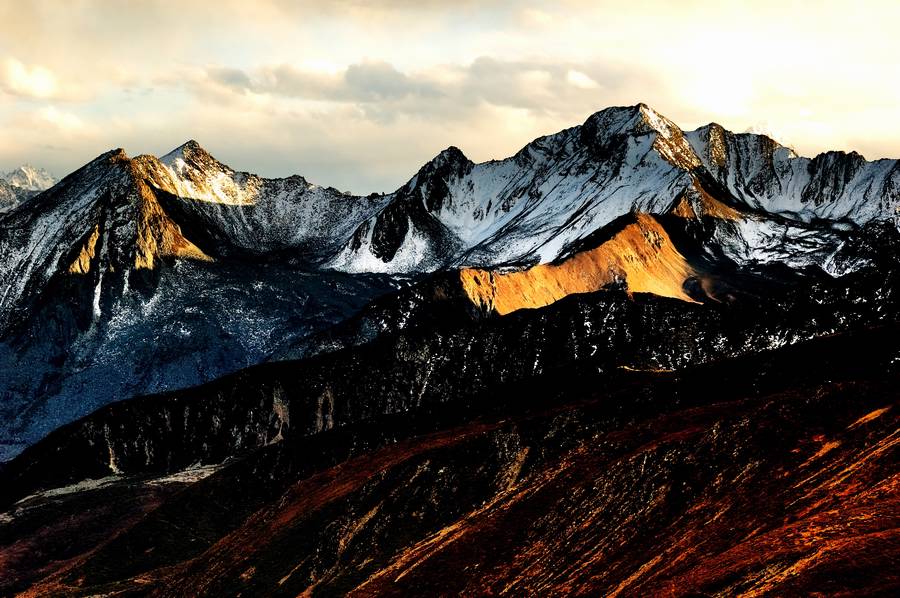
(358, 94)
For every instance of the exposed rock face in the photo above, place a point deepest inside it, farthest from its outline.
(641, 256)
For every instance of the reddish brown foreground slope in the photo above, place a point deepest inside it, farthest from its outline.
(771, 475)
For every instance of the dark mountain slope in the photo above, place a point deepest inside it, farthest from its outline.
(780, 478)
(449, 352)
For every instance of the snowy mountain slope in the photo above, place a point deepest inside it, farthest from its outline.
(530, 208)
(771, 177)
(103, 296)
(35, 243)
(533, 206)
(242, 211)
(29, 178)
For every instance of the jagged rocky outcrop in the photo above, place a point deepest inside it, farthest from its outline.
(832, 186)
(238, 212)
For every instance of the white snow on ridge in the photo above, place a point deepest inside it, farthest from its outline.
(530, 207)
(415, 251)
(256, 213)
(770, 177)
(196, 175)
(29, 178)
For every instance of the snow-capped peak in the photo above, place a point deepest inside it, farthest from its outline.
(185, 151)
(29, 178)
(450, 155)
(656, 121)
(196, 174)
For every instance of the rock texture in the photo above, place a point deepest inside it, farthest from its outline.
(572, 481)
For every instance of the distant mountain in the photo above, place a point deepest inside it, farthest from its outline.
(29, 178)
(22, 183)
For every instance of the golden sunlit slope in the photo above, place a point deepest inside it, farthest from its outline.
(641, 254)
(158, 234)
(82, 263)
(701, 203)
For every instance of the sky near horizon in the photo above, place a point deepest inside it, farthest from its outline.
(358, 94)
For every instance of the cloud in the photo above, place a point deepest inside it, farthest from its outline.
(367, 82)
(379, 81)
(446, 91)
(27, 81)
(579, 79)
(64, 121)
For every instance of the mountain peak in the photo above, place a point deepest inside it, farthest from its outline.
(29, 178)
(637, 119)
(714, 129)
(194, 173)
(187, 151)
(656, 121)
(617, 122)
(451, 155)
(618, 117)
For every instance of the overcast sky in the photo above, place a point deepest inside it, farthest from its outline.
(358, 94)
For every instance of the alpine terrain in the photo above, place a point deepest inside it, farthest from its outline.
(22, 183)
(628, 360)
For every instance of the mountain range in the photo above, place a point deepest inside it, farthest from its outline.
(623, 335)
(22, 183)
